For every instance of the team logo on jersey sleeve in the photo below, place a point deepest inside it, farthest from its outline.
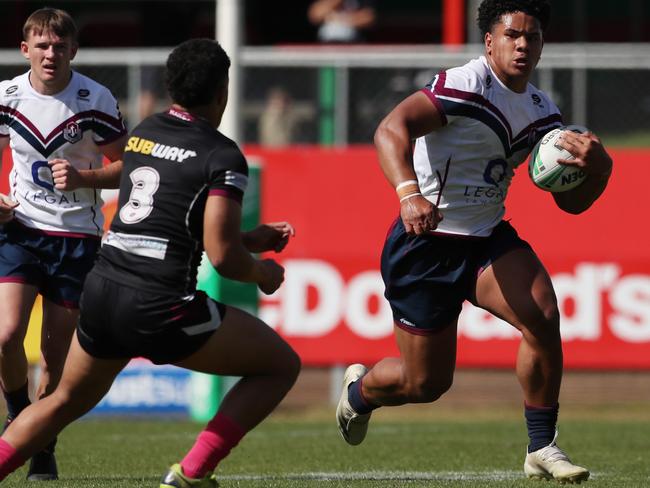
(11, 89)
(72, 132)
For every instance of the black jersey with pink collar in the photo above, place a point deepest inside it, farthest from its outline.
(73, 125)
(465, 167)
(172, 163)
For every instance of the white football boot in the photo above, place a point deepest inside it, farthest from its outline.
(352, 425)
(551, 462)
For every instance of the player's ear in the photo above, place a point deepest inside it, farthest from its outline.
(488, 42)
(75, 47)
(24, 49)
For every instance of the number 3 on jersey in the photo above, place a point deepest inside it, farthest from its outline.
(145, 184)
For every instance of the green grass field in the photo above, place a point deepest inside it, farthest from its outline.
(405, 448)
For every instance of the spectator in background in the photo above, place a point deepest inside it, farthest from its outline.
(52, 222)
(277, 124)
(342, 21)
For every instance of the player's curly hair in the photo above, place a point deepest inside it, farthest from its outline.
(490, 12)
(195, 70)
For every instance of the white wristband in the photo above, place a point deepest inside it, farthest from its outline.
(410, 195)
(406, 183)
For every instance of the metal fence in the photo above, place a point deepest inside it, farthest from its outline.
(338, 95)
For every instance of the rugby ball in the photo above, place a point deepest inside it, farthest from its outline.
(543, 168)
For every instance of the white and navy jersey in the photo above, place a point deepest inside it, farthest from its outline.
(71, 125)
(465, 167)
(172, 163)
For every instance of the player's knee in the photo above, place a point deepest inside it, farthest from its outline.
(285, 366)
(60, 402)
(292, 365)
(428, 389)
(11, 340)
(67, 406)
(61, 398)
(543, 321)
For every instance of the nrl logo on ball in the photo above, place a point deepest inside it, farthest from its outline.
(543, 167)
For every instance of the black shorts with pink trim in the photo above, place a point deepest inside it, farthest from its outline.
(118, 321)
(428, 277)
(56, 264)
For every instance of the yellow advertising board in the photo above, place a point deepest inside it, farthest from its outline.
(33, 337)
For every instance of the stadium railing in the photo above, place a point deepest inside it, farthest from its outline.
(339, 94)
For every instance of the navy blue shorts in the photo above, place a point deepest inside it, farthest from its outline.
(120, 322)
(56, 265)
(428, 277)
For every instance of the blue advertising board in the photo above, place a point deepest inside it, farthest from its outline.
(144, 388)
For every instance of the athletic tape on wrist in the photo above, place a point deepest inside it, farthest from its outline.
(406, 183)
(410, 195)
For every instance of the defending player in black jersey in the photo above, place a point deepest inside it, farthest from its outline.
(181, 190)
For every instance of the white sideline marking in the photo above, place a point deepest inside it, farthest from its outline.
(383, 476)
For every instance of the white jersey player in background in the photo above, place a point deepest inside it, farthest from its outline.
(473, 126)
(59, 125)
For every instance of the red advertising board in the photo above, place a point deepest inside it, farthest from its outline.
(331, 307)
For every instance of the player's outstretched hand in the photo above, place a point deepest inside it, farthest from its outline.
(65, 176)
(269, 237)
(419, 215)
(7, 206)
(273, 276)
(589, 153)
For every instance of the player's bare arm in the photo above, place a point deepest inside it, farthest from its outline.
(224, 245)
(414, 117)
(7, 206)
(273, 236)
(591, 156)
(67, 178)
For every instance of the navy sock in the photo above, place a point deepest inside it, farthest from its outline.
(51, 446)
(357, 402)
(540, 422)
(17, 401)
